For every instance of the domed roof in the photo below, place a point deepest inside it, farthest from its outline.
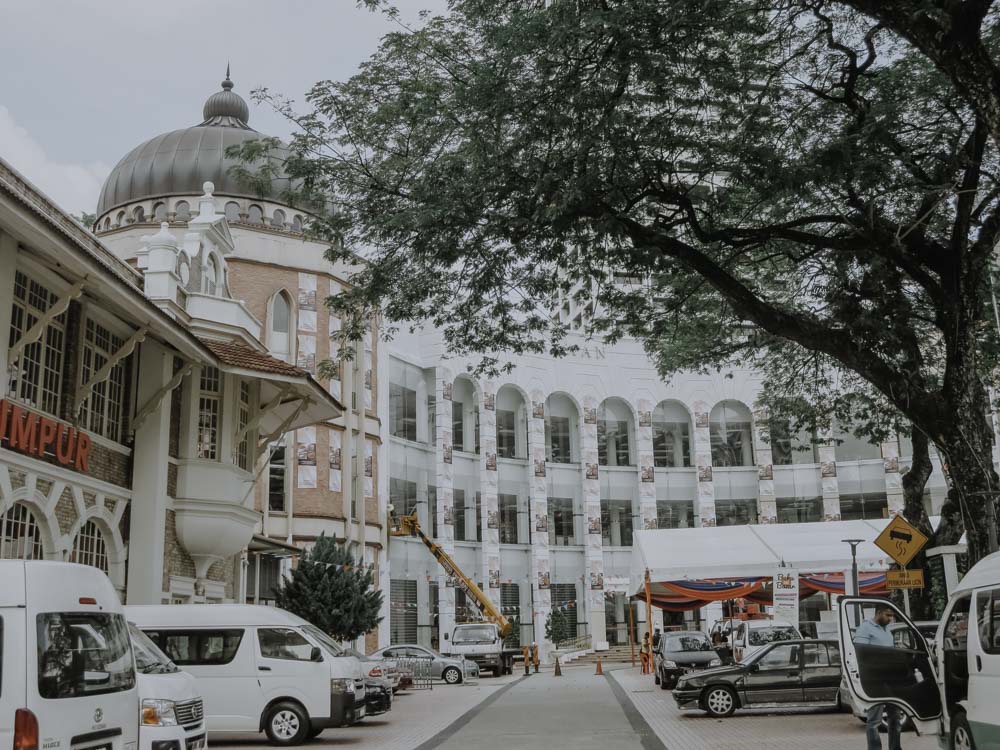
(181, 161)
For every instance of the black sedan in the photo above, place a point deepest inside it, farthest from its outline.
(789, 673)
(680, 652)
(378, 696)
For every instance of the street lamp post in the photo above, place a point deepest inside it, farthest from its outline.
(854, 563)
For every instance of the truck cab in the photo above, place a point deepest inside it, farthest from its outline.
(950, 688)
(482, 643)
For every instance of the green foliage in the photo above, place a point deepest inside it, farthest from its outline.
(331, 591)
(556, 627)
(807, 188)
(87, 219)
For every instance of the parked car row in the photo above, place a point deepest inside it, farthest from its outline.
(81, 672)
(945, 676)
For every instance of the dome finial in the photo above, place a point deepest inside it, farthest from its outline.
(226, 107)
(227, 84)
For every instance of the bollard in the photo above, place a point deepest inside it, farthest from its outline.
(599, 670)
(558, 668)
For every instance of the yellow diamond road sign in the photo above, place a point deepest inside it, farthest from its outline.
(901, 540)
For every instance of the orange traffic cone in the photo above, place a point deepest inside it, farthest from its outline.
(599, 670)
(558, 668)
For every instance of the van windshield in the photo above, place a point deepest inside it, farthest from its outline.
(329, 645)
(83, 653)
(148, 657)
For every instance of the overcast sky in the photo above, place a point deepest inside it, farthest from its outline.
(82, 82)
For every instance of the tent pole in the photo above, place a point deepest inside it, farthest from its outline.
(649, 606)
(631, 629)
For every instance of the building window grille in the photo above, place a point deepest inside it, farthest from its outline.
(616, 523)
(243, 419)
(559, 440)
(675, 514)
(276, 481)
(89, 547)
(458, 425)
(402, 412)
(432, 431)
(613, 442)
(799, 509)
(863, 506)
(20, 537)
(432, 508)
(37, 376)
(506, 443)
(403, 496)
(508, 519)
(479, 517)
(735, 512)
(102, 411)
(730, 430)
(209, 413)
(564, 601)
(459, 499)
(671, 436)
(562, 524)
(510, 607)
(402, 611)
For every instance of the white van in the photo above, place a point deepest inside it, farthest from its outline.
(259, 668)
(67, 678)
(171, 714)
(952, 690)
(750, 636)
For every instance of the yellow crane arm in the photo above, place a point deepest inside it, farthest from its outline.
(410, 526)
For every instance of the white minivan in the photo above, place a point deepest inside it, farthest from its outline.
(67, 677)
(751, 636)
(259, 668)
(952, 689)
(171, 715)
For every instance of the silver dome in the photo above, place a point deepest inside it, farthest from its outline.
(181, 161)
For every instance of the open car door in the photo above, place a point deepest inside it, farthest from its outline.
(900, 676)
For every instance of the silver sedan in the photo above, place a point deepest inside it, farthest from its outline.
(442, 667)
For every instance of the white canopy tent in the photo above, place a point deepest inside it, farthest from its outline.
(735, 552)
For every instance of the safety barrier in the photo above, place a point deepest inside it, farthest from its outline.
(422, 672)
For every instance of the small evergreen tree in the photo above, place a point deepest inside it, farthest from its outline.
(329, 589)
(556, 629)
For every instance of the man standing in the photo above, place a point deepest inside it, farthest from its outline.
(656, 638)
(875, 632)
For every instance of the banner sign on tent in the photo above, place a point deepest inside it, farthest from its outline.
(786, 595)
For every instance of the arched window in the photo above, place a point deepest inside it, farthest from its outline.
(120, 219)
(278, 219)
(255, 215)
(280, 338)
(671, 436)
(731, 433)
(107, 223)
(138, 215)
(232, 211)
(182, 211)
(614, 433)
(211, 275)
(20, 537)
(160, 212)
(89, 547)
(297, 223)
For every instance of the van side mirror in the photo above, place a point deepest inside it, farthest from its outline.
(315, 654)
(755, 667)
(446, 636)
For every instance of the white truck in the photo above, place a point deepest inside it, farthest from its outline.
(481, 642)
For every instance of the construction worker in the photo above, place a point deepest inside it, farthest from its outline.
(534, 656)
(526, 653)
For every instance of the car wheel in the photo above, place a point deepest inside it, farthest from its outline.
(719, 701)
(665, 684)
(286, 724)
(452, 675)
(961, 735)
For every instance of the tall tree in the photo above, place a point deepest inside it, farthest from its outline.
(721, 178)
(332, 591)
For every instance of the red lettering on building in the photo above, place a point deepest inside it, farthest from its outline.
(25, 431)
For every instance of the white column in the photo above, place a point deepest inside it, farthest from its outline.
(893, 479)
(538, 515)
(488, 487)
(827, 451)
(593, 578)
(703, 460)
(8, 268)
(647, 476)
(443, 449)
(767, 506)
(148, 515)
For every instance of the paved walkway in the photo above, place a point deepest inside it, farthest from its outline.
(791, 729)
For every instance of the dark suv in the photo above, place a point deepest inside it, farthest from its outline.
(680, 652)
